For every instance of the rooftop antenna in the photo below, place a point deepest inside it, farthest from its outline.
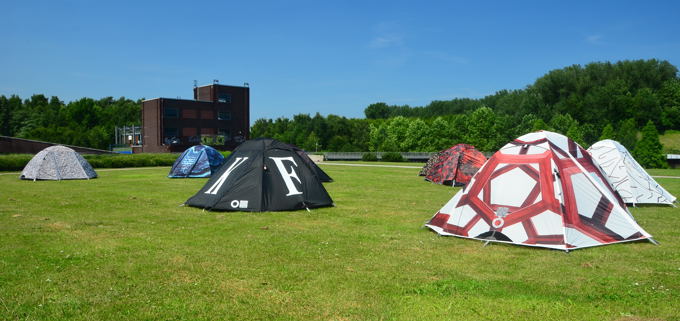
(195, 83)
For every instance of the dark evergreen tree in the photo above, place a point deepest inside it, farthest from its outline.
(649, 151)
(627, 134)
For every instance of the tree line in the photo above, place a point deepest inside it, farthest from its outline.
(587, 103)
(482, 127)
(603, 99)
(84, 122)
(597, 94)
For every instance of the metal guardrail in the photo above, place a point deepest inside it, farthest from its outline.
(357, 155)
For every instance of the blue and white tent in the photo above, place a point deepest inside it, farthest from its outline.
(196, 161)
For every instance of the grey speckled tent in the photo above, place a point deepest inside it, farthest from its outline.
(57, 163)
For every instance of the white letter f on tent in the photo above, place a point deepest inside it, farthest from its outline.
(292, 190)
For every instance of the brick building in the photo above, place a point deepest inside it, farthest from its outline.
(219, 115)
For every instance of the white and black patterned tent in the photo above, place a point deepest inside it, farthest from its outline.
(57, 163)
(627, 177)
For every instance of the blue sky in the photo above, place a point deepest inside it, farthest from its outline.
(332, 57)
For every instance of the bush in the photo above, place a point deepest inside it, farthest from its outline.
(14, 162)
(369, 157)
(17, 162)
(392, 157)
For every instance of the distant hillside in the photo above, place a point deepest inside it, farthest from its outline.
(671, 141)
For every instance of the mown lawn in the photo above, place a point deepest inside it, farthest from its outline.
(120, 248)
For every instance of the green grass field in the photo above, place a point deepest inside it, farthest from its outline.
(119, 247)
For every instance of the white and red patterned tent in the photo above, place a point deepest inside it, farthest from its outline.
(542, 189)
(628, 178)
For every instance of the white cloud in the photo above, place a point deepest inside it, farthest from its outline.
(386, 35)
(446, 57)
(594, 39)
(385, 41)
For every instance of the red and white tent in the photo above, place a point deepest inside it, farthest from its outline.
(542, 189)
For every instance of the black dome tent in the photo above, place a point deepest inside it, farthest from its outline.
(262, 175)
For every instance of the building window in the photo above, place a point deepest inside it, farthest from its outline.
(169, 132)
(224, 98)
(194, 140)
(170, 136)
(169, 112)
(223, 115)
(224, 132)
(207, 114)
(189, 113)
(189, 131)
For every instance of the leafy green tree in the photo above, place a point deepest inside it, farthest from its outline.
(377, 111)
(358, 135)
(480, 129)
(590, 133)
(396, 133)
(525, 126)
(627, 134)
(261, 128)
(377, 136)
(502, 130)
(669, 99)
(539, 124)
(576, 134)
(453, 130)
(441, 134)
(561, 123)
(607, 132)
(5, 116)
(646, 106)
(319, 126)
(341, 144)
(312, 143)
(649, 151)
(417, 136)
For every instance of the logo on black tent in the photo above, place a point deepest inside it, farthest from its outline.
(239, 204)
